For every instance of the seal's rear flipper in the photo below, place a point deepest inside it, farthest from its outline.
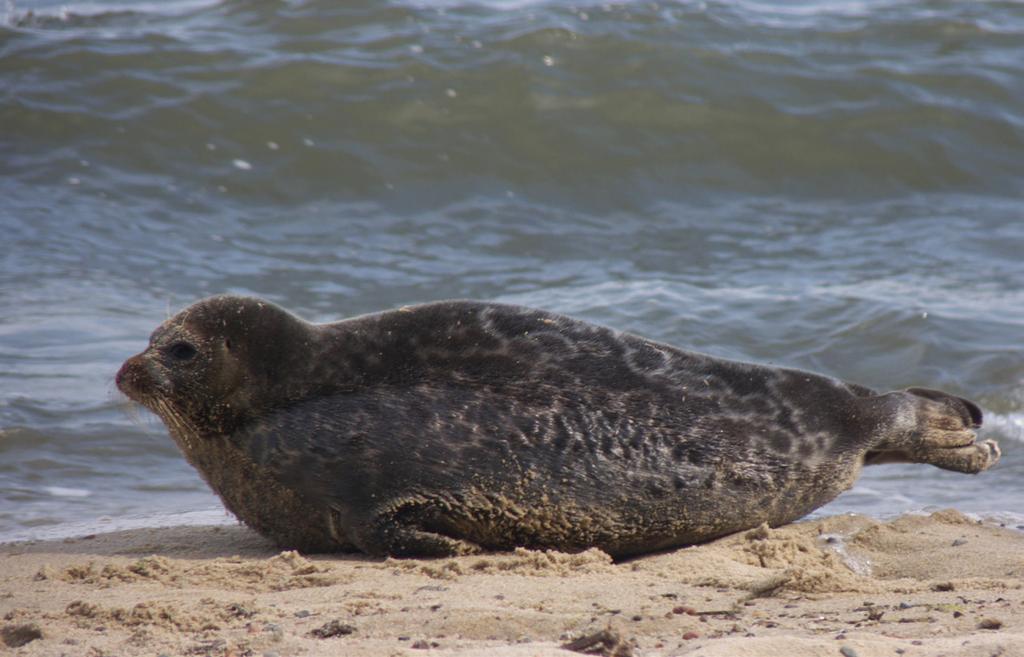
(969, 412)
(929, 426)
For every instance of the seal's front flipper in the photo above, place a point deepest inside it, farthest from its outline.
(930, 426)
(389, 535)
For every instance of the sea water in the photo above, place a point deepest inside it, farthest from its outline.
(836, 186)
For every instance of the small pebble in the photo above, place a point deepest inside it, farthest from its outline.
(421, 645)
(302, 613)
(691, 635)
(847, 651)
(905, 605)
(960, 541)
(332, 629)
(989, 624)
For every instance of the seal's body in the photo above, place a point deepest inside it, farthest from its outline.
(458, 426)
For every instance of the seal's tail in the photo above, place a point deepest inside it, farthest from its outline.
(930, 426)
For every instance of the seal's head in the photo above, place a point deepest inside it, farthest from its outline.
(212, 365)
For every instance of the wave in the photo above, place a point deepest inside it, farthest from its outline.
(1005, 425)
(62, 15)
(107, 524)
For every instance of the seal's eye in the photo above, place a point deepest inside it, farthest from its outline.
(181, 351)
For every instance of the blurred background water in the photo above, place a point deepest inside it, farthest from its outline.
(829, 185)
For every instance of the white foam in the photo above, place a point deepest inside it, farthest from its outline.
(1006, 425)
(60, 491)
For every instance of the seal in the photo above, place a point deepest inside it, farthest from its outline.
(460, 426)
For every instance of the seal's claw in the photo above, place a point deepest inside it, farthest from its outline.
(994, 452)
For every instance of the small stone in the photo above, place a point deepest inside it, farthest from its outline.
(847, 651)
(957, 614)
(332, 629)
(943, 586)
(15, 636)
(905, 605)
(420, 645)
(302, 613)
(989, 624)
(960, 541)
(240, 611)
(690, 636)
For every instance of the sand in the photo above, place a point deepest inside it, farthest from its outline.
(848, 586)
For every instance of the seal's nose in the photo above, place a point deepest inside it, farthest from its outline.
(122, 374)
(127, 376)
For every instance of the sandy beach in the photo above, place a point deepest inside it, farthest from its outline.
(942, 584)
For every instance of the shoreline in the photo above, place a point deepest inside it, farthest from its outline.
(218, 516)
(916, 585)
